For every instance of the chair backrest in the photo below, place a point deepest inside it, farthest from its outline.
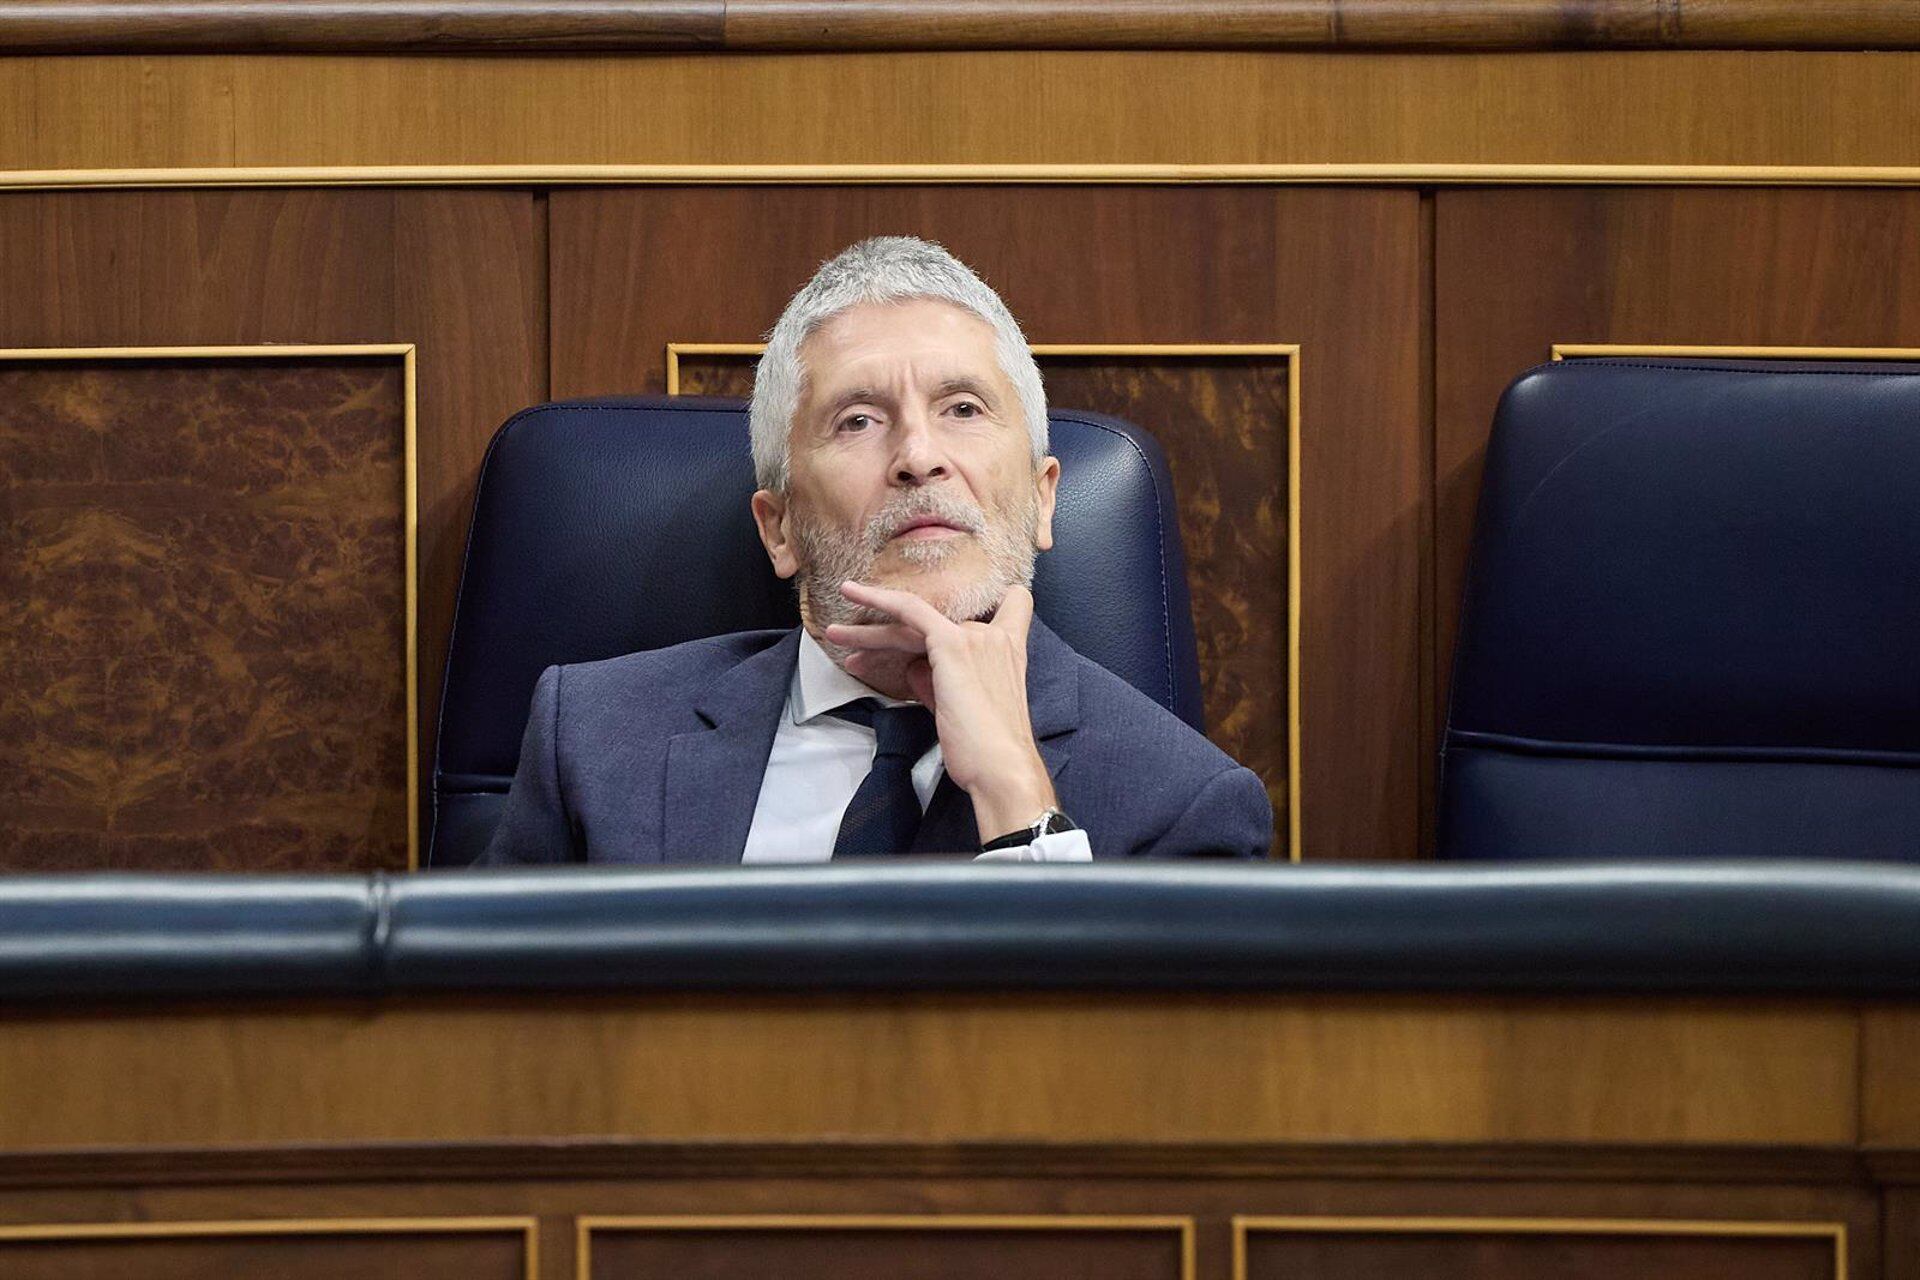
(602, 527)
(1692, 617)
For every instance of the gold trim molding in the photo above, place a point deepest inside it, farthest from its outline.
(1835, 1232)
(53, 1232)
(585, 1226)
(410, 483)
(564, 175)
(1288, 351)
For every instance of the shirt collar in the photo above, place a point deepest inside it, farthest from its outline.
(820, 685)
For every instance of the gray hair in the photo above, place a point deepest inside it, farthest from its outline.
(881, 270)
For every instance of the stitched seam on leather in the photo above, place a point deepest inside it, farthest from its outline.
(1159, 518)
(1514, 744)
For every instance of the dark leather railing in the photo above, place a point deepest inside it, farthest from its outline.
(1848, 929)
(555, 26)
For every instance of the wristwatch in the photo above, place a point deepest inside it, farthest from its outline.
(1051, 822)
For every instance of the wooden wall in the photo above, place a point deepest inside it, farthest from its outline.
(1423, 226)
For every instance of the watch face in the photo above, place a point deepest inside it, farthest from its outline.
(1055, 822)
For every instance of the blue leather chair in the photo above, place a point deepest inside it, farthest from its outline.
(1692, 618)
(602, 527)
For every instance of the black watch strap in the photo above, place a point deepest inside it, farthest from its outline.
(1051, 822)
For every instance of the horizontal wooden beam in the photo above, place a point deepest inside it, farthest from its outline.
(547, 26)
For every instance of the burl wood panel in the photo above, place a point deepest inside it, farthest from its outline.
(1223, 424)
(202, 615)
(1520, 269)
(1335, 270)
(495, 1256)
(458, 273)
(1282, 1255)
(925, 1252)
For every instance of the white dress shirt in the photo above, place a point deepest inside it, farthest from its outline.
(819, 760)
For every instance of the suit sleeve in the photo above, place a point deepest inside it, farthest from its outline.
(1231, 817)
(536, 827)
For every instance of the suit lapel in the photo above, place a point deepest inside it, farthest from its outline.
(714, 774)
(1053, 697)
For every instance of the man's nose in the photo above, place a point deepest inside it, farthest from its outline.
(918, 456)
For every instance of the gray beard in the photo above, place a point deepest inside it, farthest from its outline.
(831, 555)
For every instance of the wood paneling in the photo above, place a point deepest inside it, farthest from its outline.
(202, 615)
(1519, 270)
(539, 26)
(1071, 1069)
(634, 270)
(956, 108)
(457, 273)
(1363, 1254)
(1903, 1233)
(927, 1248)
(1889, 1048)
(1111, 1190)
(286, 1251)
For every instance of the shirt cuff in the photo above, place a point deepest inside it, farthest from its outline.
(1060, 846)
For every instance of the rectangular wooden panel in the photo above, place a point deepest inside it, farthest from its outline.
(858, 1248)
(1522, 1250)
(292, 1250)
(459, 274)
(1519, 270)
(203, 613)
(634, 270)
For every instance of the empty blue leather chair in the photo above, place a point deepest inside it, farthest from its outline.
(602, 527)
(1692, 618)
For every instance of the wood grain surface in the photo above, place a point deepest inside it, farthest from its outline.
(460, 274)
(733, 1184)
(1519, 270)
(1650, 1254)
(202, 615)
(547, 26)
(306, 1249)
(1062, 1069)
(1685, 108)
(863, 1249)
(636, 269)
(1890, 1045)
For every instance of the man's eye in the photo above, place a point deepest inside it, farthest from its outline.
(965, 409)
(855, 422)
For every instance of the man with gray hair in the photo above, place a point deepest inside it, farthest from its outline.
(899, 432)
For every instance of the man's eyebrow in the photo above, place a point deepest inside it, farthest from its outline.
(953, 386)
(852, 395)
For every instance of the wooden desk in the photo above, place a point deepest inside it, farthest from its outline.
(1016, 1134)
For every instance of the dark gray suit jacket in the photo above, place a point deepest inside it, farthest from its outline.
(657, 757)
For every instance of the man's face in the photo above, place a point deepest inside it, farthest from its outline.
(911, 466)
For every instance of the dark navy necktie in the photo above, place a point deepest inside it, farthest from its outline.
(884, 813)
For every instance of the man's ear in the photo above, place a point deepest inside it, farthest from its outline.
(1046, 484)
(770, 517)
